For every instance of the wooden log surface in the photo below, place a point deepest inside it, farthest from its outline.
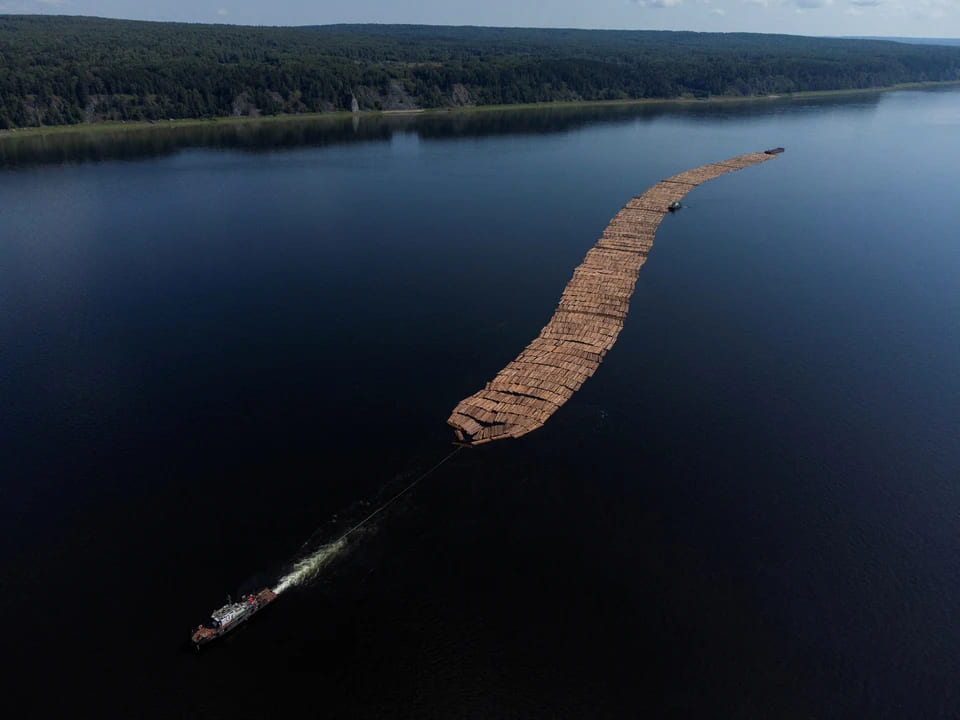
(587, 321)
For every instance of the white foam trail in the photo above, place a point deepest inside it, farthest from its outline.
(306, 569)
(309, 567)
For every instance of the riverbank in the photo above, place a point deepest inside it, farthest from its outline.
(135, 126)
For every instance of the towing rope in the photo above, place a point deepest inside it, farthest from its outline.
(396, 497)
(308, 567)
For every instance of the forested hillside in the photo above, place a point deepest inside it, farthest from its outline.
(57, 70)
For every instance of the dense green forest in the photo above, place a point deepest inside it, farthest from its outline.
(60, 70)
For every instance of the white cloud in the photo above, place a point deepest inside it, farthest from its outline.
(223, 12)
(857, 6)
(718, 11)
(812, 4)
(33, 6)
(920, 9)
(658, 3)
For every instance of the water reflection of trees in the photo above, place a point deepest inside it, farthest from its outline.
(101, 144)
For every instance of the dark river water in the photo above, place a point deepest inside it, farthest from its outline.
(218, 344)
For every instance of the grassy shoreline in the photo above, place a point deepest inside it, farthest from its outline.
(115, 125)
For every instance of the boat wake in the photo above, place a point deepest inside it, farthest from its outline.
(309, 567)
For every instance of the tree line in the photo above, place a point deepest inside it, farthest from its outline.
(61, 70)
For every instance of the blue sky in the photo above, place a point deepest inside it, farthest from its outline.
(923, 18)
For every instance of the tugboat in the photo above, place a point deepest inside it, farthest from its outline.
(674, 206)
(231, 616)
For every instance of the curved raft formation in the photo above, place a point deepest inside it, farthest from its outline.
(590, 316)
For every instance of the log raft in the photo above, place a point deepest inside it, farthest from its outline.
(587, 321)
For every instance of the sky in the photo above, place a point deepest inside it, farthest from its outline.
(918, 18)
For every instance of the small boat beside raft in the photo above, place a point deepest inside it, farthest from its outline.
(773, 151)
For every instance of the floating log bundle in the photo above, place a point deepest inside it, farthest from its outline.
(590, 316)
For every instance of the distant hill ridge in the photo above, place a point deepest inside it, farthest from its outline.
(914, 41)
(59, 69)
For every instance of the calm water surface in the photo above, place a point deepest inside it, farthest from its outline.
(215, 344)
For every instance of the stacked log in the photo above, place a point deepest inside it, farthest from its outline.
(587, 321)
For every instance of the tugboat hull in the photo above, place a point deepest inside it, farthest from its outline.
(231, 616)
